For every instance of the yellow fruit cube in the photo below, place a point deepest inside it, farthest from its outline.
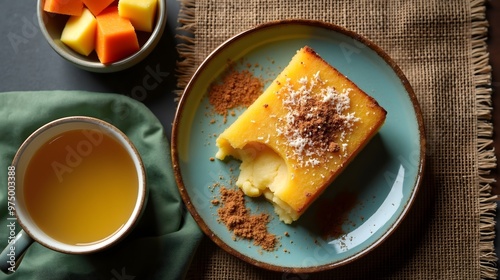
(140, 12)
(79, 32)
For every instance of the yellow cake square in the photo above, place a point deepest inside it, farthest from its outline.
(299, 135)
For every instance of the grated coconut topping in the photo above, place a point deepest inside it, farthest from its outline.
(316, 119)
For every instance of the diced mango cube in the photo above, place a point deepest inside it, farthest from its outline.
(79, 32)
(65, 7)
(116, 37)
(97, 6)
(140, 12)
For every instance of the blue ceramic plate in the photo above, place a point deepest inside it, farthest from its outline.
(381, 182)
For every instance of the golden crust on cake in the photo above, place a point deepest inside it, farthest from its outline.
(299, 135)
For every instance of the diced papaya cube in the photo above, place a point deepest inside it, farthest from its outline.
(140, 12)
(79, 32)
(97, 6)
(116, 37)
(65, 7)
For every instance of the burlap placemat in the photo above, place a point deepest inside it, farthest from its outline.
(440, 46)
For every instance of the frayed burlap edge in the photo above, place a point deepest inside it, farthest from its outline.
(186, 65)
(486, 153)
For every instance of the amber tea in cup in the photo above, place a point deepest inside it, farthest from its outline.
(80, 188)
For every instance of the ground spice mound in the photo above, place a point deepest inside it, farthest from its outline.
(239, 220)
(237, 89)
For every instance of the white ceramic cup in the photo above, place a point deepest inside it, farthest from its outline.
(10, 256)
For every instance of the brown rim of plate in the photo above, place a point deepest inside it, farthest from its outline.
(331, 27)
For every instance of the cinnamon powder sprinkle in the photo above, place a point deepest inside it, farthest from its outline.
(315, 124)
(237, 89)
(238, 219)
(334, 213)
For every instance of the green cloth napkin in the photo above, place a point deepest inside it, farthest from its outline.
(163, 242)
